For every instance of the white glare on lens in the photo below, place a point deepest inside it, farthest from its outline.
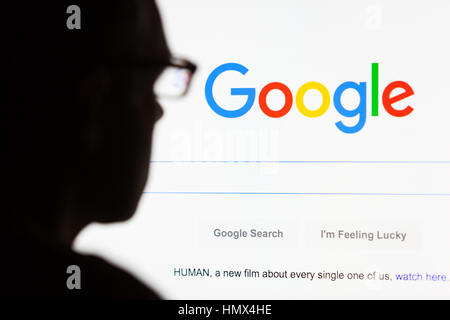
(172, 82)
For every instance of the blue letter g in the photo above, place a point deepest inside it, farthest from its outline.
(249, 92)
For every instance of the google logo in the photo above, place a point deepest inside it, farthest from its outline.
(361, 88)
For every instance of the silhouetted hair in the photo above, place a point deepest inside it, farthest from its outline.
(43, 66)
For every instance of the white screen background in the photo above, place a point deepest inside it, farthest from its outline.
(294, 42)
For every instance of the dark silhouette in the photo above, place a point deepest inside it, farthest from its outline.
(77, 115)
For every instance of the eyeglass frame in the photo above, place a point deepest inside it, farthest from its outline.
(175, 62)
(181, 64)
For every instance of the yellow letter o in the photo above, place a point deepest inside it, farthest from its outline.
(325, 99)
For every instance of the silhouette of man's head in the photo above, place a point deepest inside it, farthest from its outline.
(78, 113)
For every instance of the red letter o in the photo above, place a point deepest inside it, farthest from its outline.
(287, 104)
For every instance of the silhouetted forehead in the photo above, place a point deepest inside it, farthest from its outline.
(146, 32)
(110, 30)
(124, 29)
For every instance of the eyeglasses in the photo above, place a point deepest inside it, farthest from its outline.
(174, 81)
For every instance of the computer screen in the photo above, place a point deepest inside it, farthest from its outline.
(309, 159)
